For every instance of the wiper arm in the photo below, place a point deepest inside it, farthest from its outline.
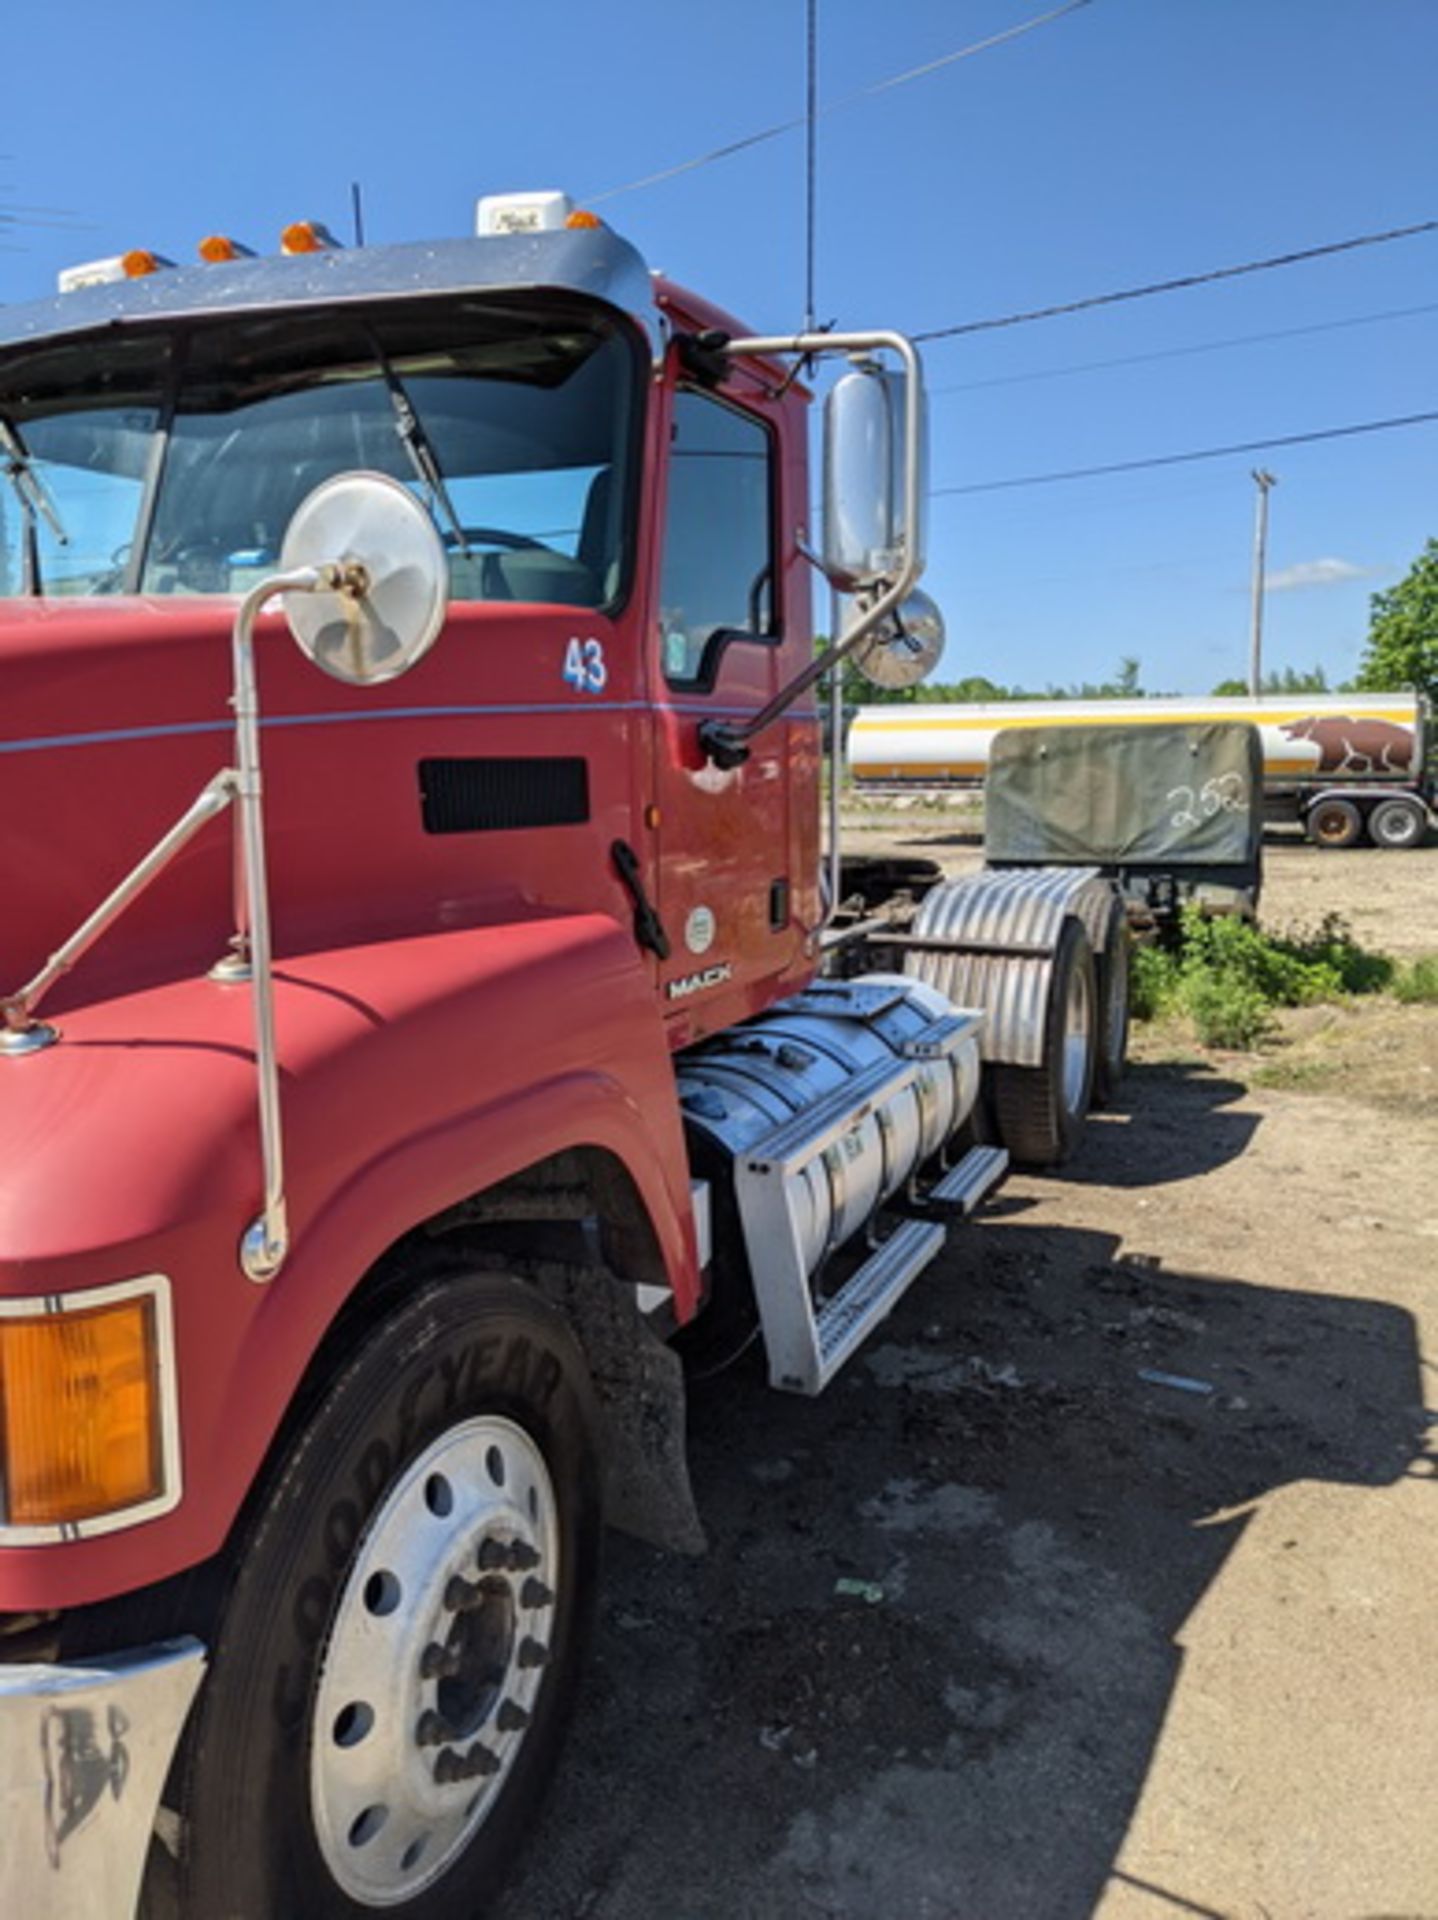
(416, 443)
(34, 497)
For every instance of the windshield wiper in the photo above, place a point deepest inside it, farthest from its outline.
(416, 443)
(34, 497)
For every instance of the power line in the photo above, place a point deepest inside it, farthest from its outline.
(731, 147)
(1183, 459)
(1179, 353)
(1179, 285)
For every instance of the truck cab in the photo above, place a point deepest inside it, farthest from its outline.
(388, 1073)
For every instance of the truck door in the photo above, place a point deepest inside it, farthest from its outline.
(725, 891)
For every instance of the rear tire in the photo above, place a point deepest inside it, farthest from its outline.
(399, 1649)
(1335, 823)
(1395, 825)
(1040, 1110)
(1112, 969)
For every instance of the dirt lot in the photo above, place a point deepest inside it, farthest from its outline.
(1125, 1647)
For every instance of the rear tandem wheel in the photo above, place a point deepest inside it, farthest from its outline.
(1040, 1110)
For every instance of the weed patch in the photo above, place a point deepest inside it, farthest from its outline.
(1417, 984)
(1227, 977)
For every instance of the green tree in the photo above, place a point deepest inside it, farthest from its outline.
(1402, 646)
(1285, 680)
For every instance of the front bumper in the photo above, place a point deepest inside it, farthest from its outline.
(84, 1751)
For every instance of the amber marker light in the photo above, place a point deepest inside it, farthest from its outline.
(139, 261)
(82, 1428)
(307, 236)
(583, 219)
(219, 246)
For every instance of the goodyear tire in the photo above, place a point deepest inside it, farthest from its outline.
(1396, 825)
(1112, 970)
(398, 1651)
(1335, 823)
(1040, 1110)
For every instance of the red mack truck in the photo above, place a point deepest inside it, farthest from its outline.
(397, 1082)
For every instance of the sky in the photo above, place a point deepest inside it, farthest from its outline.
(1123, 143)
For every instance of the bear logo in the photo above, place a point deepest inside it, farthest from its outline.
(1346, 745)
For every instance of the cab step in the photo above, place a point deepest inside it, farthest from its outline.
(968, 1181)
(847, 1318)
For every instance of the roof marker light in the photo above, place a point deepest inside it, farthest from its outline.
(511, 213)
(139, 261)
(219, 246)
(307, 236)
(115, 266)
(583, 220)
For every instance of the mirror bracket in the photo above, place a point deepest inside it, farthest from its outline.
(725, 743)
(705, 356)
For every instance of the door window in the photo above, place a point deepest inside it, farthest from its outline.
(717, 582)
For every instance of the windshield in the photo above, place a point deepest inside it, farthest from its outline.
(171, 463)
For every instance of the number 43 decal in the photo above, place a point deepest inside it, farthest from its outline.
(584, 666)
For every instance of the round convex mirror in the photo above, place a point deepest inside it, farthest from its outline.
(906, 647)
(379, 628)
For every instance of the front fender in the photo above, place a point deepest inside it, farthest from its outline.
(414, 1073)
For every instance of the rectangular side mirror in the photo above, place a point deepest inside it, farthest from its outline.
(866, 457)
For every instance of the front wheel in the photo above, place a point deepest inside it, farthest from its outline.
(400, 1646)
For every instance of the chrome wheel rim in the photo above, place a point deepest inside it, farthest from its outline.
(435, 1661)
(1077, 1041)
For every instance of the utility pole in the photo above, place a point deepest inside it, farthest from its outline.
(1264, 480)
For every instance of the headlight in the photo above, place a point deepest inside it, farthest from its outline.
(88, 1429)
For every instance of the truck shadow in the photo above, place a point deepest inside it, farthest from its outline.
(926, 1664)
(1172, 1121)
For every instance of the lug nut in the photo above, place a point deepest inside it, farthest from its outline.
(431, 1729)
(532, 1653)
(437, 1662)
(534, 1593)
(479, 1763)
(511, 1718)
(522, 1557)
(461, 1594)
(493, 1555)
(448, 1769)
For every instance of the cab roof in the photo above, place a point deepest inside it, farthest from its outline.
(589, 261)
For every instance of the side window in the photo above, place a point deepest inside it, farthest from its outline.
(718, 573)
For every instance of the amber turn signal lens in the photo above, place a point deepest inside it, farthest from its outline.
(219, 246)
(79, 1413)
(307, 236)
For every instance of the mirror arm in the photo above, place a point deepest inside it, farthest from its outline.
(726, 742)
(266, 1241)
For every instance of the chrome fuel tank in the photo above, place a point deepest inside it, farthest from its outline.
(911, 1060)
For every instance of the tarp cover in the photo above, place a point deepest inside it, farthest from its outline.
(1185, 794)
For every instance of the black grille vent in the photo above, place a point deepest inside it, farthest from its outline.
(490, 796)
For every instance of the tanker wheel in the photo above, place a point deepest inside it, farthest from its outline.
(1112, 970)
(399, 1649)
(1040, 1110)
(1335, 823)
(1397, 824)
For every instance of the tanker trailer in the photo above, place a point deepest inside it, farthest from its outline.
(1351, 769)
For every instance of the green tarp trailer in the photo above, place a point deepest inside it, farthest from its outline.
(1173, 812)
